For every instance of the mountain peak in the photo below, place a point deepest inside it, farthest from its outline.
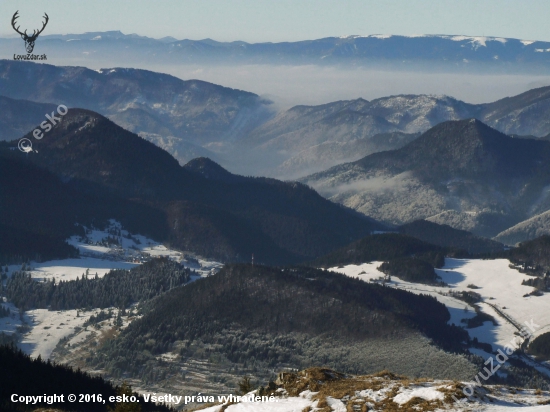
(107, 155)
(464, 125)
(470, 147)
(461, 173)
(462, 134)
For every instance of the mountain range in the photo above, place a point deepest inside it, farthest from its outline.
(308, 139)
(242, 131)
(400, 182)
(461, 173)
(452, 52)
(157, 106)
(87, 169)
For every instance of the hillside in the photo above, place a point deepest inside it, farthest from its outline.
(532, 256)
(145, 102)
(447, 237)
(332, 152)
(460, 173)
(403, 256)
(89, 156)
(40, 233)
(524, 114)
(529, 229)
(324, 389)
(379, 247)
(260, 318)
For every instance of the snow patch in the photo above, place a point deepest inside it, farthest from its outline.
(336, 404)
(283, 405)
(428, 394)
(476, 41)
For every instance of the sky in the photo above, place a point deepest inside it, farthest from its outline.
(284, 20)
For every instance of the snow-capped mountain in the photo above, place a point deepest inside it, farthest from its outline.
(450, 51)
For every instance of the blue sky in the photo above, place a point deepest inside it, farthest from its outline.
(284, 20)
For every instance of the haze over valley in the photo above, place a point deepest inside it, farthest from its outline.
(339, 223)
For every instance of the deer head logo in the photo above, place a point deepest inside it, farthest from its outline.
(29, 40)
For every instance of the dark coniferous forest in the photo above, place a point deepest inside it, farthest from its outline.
(274, 316)
(19, 374)
(383, 247)
(118, 288)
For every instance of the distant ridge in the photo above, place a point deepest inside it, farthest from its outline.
(529, 229)
(453, 52)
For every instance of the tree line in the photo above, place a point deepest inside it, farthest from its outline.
(118, 288)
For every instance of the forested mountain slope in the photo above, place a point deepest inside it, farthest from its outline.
(460, 173)
(86, 156)
(270, 318)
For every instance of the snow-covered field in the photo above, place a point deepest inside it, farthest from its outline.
(369, 272)
(501, 286)
(496, 282)
(70, 269)
(100, 252)
(47, 328)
